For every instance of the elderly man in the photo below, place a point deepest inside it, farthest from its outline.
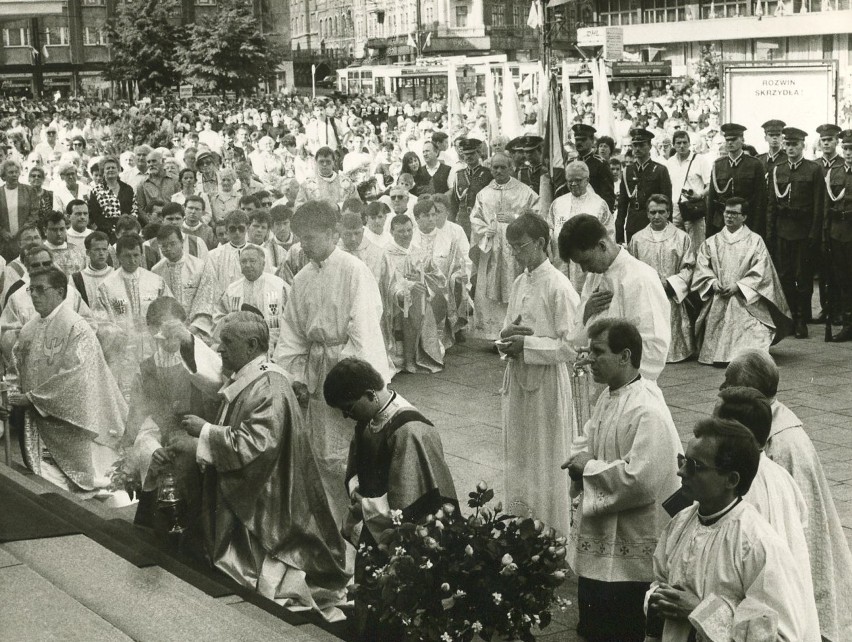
(501, 202)
(156, 186)
(744, 306)
(18, 204)
(620, 480)
(327, 184)
(137, 174)
(581, 199)
(719, 568)
(272, 528)
(599, 176)
(789, 445)
(70, 396)
(618, 285)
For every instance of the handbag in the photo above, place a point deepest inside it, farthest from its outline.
(691, 210)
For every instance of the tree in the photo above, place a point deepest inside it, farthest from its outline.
(227, 51)
(142, 38)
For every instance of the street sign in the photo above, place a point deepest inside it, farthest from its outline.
(231, 95)
(185, 91)
(641, 69)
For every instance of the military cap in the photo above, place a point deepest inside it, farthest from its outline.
(530, 143)
(469, 144)
(213, 157)
(794, 133)
(732, 129)
(774, 126)
(583, 130)
(828, 130)
(640, 135)
(515, 145)
(846, 138)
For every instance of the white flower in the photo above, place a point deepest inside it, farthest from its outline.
(476, 627)
(431, 542)
(399, 551)
(507, 559)
(526, 618)
(439, 525)
(482, 487)
(427, 565)
(445, 587)
(468, 550)
(421, 531)
(439, 514)
(559, 575)
(497, 598)
(460, 593)
(449, 509)
(446, 637)
(396, 517)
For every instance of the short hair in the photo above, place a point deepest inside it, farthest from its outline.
(399, 219)
(172, 208)
(185, 171)
(351, 221)
(376, 209)
(38, 249)
(579, 166)
(280, 213)
(349, 380)
(748, 406)
(127, 222)
(324, 152)
(581, 232)
(755, 369)
(423, 207)
(531, 225)
(26, 227)
(128, 243)
(439, 137)
(142, 149)
(260, 216)
(56, 278)
(315, 215)
(94, 237)
(441, 199)
(109, 159)
(736, 200)
(609, 142)
(164, 308)
(261, 194)
(167, 230)
(659, 199)
(249, 199)
(353, 205)
(74, 202)
(254, 248)
(194, 198)
(621, 335)
(736, 448)
(236, 217)
(55, 216)
(150, 231)
(249, 326)
(680, 133)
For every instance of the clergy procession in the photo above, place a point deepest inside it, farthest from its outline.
(241, 345)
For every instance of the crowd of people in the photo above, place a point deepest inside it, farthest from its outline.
(216, 303)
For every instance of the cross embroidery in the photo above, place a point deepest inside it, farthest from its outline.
(264, 367)
(52, 347)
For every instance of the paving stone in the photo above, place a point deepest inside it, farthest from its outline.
(7, 559)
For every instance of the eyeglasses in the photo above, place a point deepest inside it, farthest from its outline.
(236, 228)
(693, 466)
(39, 289)
(398, 197)
(516, 249)
(43, 264)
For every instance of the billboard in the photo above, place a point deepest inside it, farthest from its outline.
(802, 94)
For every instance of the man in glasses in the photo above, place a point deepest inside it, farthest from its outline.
(620, 480)
(719, 567)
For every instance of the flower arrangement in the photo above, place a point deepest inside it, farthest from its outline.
(122, 476)
(450, 577)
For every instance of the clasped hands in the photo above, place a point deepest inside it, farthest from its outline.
(673, 602)
(514, 334)
(726, 292)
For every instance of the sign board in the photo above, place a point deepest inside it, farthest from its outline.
(802, 93)
(611, 38)
(185, 91)
(641, 69)
(231, 95)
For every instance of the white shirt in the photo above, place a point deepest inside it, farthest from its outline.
(12, 208)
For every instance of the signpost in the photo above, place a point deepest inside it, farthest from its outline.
(185, 91)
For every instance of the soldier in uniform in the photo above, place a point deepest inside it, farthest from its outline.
(516, 153)
(639, 180)
(736, 174)
(468, 183)
(829, 159)
(838, 234)
(776, 154)
(600, 178)
(530, 172)
(794, 225)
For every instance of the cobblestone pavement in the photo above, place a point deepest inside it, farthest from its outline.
(464, 403)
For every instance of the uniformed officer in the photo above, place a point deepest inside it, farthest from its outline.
(736, 174)
(828, 159)
(468, 182)
(838, 234)
(530, 172)
(513, 149)
(828, 147)
(776, 154)
(600, 178)
(794, 225)
(639, 180)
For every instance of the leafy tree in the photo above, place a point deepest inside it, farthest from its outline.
(143, 37)
(708, 67)
(227, 51)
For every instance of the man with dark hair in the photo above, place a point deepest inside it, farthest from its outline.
(639, 180)
(334, 311)
(775, 155)
(66, 257)
(536, 336)
(77, 213)
(719, 568)
(89, 279)
(327, 184)
(249, 202)
(282, 234)
(465, 184)
(433, 173)
(626, 470)
(194, 222)
(744, 306)
(180, 271)
(618, 285)
(690, 175)
(28, 236)
(259, 233)
(353, 241)
(837, 239)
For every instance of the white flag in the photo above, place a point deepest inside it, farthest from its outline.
(313, 71)
(44, 52)
(428, 42)
(410, 42)
(511, 123)
(534, 20)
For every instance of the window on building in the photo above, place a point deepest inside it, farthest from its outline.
(16, 37)
(498, 15)
(56, 36)
(729, 9)
(93, 3)
(664, 11)
(93, 36)
(461, 16)
(517, 16)
(205, 3)
(619, 12)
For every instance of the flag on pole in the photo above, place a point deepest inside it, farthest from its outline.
(410, 42)
(603, 104)
(453, 100)
(534, 19)
(567, 105)
(44, 52)
(758, 11)
(428, 42)
(543, 97)
(511, 124)
(554, 152)
(491, 106)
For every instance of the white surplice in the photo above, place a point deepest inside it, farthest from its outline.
(182, 278)
(267, 293)
(221, 268)
(536, 396)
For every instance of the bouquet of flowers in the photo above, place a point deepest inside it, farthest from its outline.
(450, 577)
(123, 476)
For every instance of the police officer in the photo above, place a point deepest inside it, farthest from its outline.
(600, 178)
(514, 150)
(639, 180)
(776, 154)
(828, 159)
(828, 147)
(838, 234)
(736, 174)
(794, 225)
(530, 172)
(468, 181)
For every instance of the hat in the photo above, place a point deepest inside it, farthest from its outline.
(794, 133)
(207, 155)
(828, 130)
(530, 143)
(640, 135)
(732, 129)
(773, 126)
(846, 137)
(469, 144)
(586, 131)
(514, 145)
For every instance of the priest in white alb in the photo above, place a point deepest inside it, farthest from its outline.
(354, 241)
(180, 270)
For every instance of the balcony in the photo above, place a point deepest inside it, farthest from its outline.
(12, 10)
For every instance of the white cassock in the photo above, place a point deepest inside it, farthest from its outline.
(756, 316)
(221, 268)
(831, 560)
(740, 568)
(495, 266)
(267, 293)
(371, 254)
(334, 311)
(92, 280)
(379, 239)
(567, 207)
(536, 397)
(182, 278)
(639, 297)
(671, 254)
(451, 260)
(635, 445)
